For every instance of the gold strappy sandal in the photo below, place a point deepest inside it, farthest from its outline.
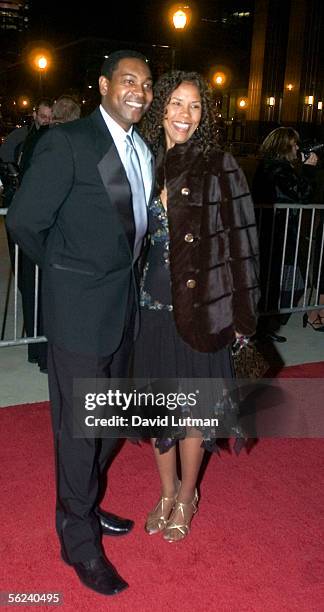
(177, 529)
(157, 519)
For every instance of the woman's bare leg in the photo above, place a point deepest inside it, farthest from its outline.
(191, 456)
(167, 467)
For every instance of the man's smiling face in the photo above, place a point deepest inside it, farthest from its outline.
(128, 94)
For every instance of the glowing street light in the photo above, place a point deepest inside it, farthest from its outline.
(220, 76)
(180, 16)
(40, 59)
(179, 20)
(42, 62)
(219, 79)
(24, 102)
(309, 100)
(243, 103)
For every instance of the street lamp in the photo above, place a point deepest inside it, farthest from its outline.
(242, 103)
(239, 119)
(319, 111)
(220, 78)
(271, 103)
(41, 63)
(308, 109)
(180, 17)
(24, 102)
(40, 59)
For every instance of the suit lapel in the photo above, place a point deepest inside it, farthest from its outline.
(114, 178)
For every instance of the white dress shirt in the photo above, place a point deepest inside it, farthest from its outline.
(118, 135)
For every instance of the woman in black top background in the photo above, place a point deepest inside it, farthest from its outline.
(279, 180)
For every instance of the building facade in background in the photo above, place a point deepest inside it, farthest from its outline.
(13, 16)
(286, 84)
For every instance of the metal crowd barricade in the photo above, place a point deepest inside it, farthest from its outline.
(17, 340)
(291, 257)
(298, 273)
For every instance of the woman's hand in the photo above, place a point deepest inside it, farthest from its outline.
(239, 342)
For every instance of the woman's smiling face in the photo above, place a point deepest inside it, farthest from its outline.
(182, 114)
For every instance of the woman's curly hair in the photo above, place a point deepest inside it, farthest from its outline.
(151, 126)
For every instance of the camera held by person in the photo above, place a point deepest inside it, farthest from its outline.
(312, 147)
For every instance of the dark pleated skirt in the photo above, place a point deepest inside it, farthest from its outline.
(160, 353)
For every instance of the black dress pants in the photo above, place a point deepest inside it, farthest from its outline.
(80, 462)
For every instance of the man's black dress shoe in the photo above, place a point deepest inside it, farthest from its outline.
(100, 575)
(113, 525)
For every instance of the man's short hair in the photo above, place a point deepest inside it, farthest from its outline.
(65, 109)
(111, 62)
(43, 102)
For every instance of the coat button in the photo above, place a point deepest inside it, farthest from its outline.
(185, 191)
(189, 238)
(191, 283)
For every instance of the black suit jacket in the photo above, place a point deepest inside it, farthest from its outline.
(73, 216)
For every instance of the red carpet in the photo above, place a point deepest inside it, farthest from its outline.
(256, 543)
(304, 370)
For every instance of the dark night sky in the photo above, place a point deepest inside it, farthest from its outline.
(144, 21)
(71, 20)
(76, 19)
(204, 45)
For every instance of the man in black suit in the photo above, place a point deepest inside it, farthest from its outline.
(17, 149)
(78, 215)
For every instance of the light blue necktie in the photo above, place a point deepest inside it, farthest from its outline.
(134, 175)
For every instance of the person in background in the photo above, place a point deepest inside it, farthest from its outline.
(200, 284)
(11, 149)
(277, 180)
(65, 109)
(17, 150)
